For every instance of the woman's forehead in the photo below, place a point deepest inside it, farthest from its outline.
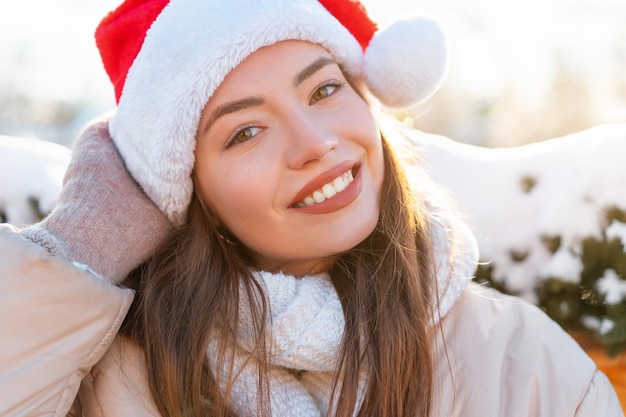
(288, 61)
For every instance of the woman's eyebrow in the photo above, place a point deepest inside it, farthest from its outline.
(247, 102)
(312, 69)
(232, 107)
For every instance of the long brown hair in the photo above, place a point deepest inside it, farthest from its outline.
(189, 293)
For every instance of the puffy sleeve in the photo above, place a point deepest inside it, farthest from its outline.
(497, 355)
(57, 320)
(118, 384)
(600, 399)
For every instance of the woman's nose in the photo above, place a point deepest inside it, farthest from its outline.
(310, 141)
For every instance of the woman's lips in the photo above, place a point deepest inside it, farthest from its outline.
(331, 190)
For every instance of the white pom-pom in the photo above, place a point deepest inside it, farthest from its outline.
(406, 63)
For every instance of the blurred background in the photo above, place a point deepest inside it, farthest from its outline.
(520, 71)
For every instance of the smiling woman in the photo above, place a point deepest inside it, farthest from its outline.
(288, 257)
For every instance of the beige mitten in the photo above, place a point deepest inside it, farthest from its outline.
(102, 219)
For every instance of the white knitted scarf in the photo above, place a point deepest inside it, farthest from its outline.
(306, 322)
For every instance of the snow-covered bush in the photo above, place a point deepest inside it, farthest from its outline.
(31, 174)
(550, 219)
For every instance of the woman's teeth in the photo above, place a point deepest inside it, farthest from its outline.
(328, 190)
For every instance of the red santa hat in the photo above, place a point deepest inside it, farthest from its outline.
(166, 58)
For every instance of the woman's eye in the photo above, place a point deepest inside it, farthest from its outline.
(242, 135)
(325, 90)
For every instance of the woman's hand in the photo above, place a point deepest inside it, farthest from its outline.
(102, 219)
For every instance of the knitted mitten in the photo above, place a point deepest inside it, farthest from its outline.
(102, 219)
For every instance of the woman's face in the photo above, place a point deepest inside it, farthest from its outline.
(289, 158)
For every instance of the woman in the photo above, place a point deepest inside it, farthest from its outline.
(310, 271)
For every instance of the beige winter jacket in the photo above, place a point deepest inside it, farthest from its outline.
(501, 356)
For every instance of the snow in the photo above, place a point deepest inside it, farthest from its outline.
(602, 326)
(29, 168)
(617, 230)
(564, 265)
(515, 198)
(613, 288)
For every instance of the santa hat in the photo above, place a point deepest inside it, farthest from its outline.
(166, 58)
